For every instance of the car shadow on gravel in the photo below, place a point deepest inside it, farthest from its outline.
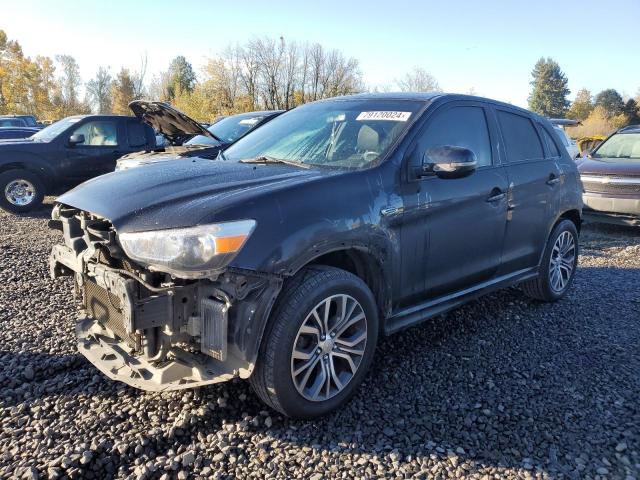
(500, 383)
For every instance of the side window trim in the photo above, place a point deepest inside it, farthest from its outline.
(491, 132)
(505, 157)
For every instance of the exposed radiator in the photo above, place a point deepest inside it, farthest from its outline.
(213, 337)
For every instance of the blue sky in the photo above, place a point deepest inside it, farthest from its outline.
(490, 45)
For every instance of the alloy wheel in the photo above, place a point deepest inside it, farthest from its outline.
(329, 347)
(562, 261)
(20, 192)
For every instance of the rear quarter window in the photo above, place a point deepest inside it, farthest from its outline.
(521, 139)
(136, 134)
(551, 144)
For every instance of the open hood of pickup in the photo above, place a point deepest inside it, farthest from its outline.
(168, 121)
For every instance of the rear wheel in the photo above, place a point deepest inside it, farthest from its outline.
(558, 265)
(319, 343)
(21, 191)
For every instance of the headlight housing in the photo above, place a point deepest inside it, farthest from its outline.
(193, 252)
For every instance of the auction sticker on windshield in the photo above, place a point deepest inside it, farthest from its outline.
(393, 116)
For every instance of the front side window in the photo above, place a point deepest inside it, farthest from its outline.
(520, 137)
(11, 122)
(621, 145)
(98, 133)
(341, 134)
(458, 127)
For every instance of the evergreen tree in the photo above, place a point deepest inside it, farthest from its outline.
(632, 112)
(549, 94)
(611, 101)
(182, 78)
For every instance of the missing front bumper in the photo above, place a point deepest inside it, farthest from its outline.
(174, 336)
(179, 369)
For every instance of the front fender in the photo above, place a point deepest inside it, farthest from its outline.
(16, 159)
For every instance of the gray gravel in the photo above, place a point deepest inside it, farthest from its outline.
(503, 387)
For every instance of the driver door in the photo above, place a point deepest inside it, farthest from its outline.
(453, 229)
(97, 154)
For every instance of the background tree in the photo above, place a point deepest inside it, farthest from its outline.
(138, 77)
(418, 80)
(611, 101)
(581, 106)
(67, 97)
(549, 94)
(99, 91)
(181, 77)
(123, 92)
(632, 112)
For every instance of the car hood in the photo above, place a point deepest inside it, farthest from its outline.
(609, 166)
(180, 193)
(17, 140)
(171, 153)
(18, 144)
(167, 120)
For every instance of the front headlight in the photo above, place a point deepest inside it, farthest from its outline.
(188, 252)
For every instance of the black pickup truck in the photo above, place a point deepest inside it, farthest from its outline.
(65, 154)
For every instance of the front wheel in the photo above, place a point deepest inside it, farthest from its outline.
(558, 266)
(319, 343)
(21, 191)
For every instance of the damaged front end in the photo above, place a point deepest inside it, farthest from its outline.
(154, 330)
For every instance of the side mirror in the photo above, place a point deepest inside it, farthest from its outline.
(448, 161)
(76, 138)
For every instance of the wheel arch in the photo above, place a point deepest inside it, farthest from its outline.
(365, 265)
(573, 215)
(42, 172)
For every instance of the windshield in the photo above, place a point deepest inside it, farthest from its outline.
(349, 134)
(621, 145)
(52, 131)
(228, 129)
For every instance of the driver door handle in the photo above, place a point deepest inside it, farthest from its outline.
(496, 195)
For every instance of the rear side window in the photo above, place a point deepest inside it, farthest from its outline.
(520, 137)
(461, 127)
(136, 134)
(551, 145)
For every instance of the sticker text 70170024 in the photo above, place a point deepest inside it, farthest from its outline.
(388, 115)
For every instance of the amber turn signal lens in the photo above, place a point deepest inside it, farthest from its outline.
(229, 244)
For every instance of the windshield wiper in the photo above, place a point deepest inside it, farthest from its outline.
(267, 159)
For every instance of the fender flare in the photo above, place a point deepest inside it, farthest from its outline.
(30, 162)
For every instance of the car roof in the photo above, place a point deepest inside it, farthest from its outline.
(630, 129)
(427, 97)
(98, 116)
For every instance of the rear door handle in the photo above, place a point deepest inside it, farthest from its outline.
(553, 179)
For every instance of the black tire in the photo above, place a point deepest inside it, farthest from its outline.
(540, 288)
(272, 378)
(6, 178)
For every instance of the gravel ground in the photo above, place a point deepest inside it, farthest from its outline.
(503, 387)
